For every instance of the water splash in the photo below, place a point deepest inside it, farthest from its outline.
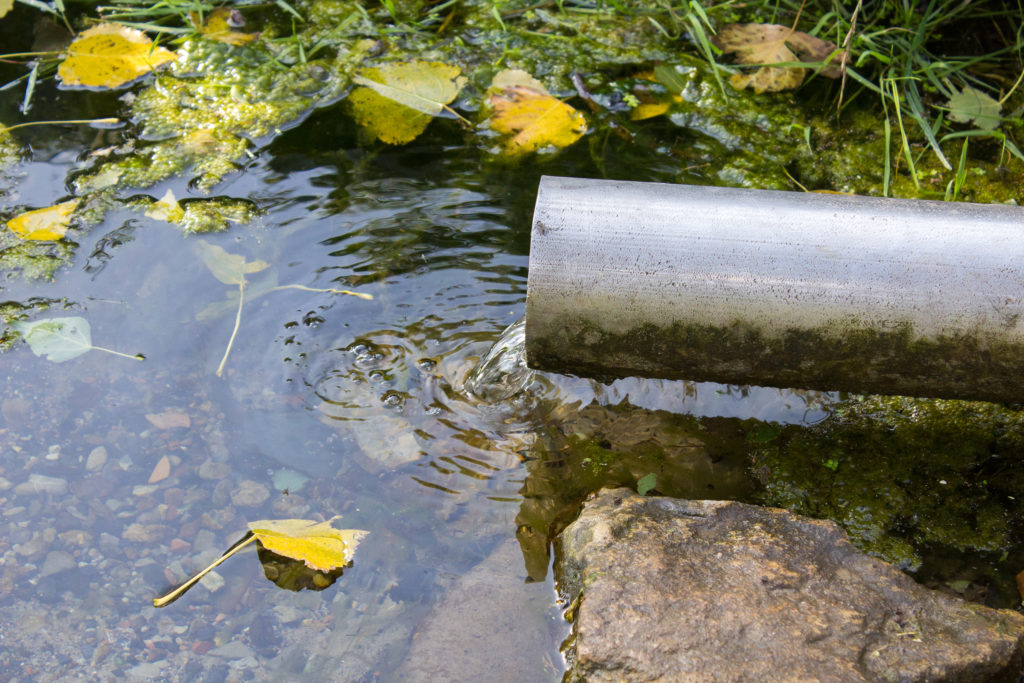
(502, 372)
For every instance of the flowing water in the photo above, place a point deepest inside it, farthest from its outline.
(412, 416)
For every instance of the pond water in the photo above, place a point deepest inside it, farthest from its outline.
(334, 405)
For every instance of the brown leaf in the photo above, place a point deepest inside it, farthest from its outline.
(161, 471)
(767, 44)
(169, 419)
(1020, 584)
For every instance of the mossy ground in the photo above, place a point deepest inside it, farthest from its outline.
(907, 478)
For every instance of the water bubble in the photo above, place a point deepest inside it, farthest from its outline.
(392, 399)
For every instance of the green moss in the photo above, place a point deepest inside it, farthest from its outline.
(909, 475)
(845, 356)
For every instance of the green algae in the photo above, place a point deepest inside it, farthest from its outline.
(904, 476)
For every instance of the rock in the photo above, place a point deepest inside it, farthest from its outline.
(145, 533)
(710, 590)
(212, 582)
(210, 470)
(249, 494)
(236, 649)
(40, 483)
(97, 459)
(57, 561)
(482, 625)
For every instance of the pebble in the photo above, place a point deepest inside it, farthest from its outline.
(144, 533)
(53, 453)
(76, 537)
(212, 582)
(147, 671)
(249, 494)
(57, 561)
(5, 484)
(97, 459)
(40, 483)
(236, 649)
(211, 470)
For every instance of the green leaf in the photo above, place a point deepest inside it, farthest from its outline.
(973, 106)
(229, 268)
(59, 339)
(646, 483)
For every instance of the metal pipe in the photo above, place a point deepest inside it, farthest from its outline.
(786, 289)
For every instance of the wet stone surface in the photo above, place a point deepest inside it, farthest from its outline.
(670, 589)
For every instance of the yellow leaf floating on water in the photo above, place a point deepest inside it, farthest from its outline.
(44, 224)
(767, 44)
(220, 25)
(396, 101)
(110, 55)
(530, 117)
(318, 544)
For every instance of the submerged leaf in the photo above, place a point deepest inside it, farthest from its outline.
(110, 55)
(645, 483)
(397, 101)
(531, 118)
(44, 224)
(229, 268)
(767, 44)
(59, 339)
(971, 105)
(319, 545)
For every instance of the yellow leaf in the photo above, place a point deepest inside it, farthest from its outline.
(166, 208)
(648, 110)
(219, 26)
(533, 119)
(396, 101)
(319, 545)
(44, 224)
(110, 55)
(6, 6)
(767, 44)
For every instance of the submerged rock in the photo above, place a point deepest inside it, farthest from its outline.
(482, 626)
(669, 589)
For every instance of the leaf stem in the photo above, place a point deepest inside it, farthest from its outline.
(137, 356)
(238, 321)
(176, 593)
(304, 288)
(46, 123)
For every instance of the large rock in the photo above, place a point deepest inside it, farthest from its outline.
(681, 590)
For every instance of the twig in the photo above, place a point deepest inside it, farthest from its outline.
(844, 59)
